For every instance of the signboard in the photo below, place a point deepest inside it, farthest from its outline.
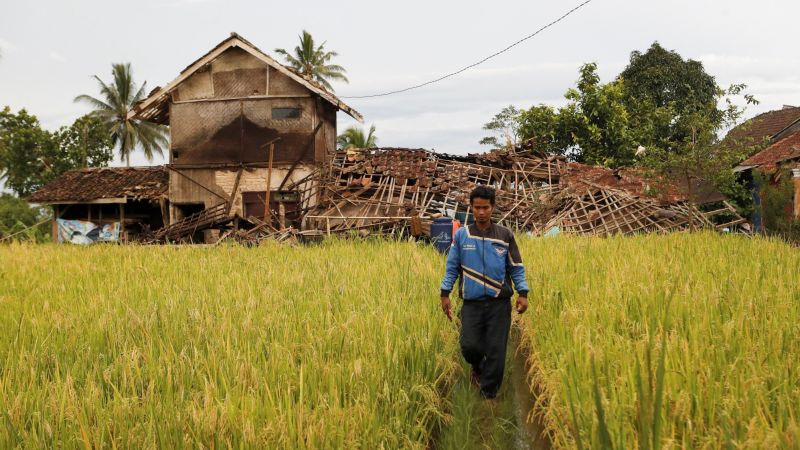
(83, 232)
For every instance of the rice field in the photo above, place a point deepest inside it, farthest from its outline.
(687, 341)
(336, 346)
(680, 341)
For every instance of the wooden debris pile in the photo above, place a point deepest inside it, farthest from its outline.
(381, 190)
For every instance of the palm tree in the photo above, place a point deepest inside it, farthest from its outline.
(353, 137)
(312, 61)
(117, 100)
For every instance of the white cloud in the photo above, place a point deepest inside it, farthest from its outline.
(7, 46)
(58, 57)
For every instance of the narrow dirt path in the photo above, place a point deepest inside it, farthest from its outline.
(494, 424)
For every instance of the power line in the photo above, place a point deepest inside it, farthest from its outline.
(451, 74)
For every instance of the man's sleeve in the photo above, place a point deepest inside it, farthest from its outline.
(453, 266)
(515, 267)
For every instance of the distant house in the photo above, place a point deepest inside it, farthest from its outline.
(777, 134)
(224, 110)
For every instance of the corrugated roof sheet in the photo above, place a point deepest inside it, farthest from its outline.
(83, 185)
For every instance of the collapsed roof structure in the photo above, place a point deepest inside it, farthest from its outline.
(386, 188)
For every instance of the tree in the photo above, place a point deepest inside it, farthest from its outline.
(31, 156)
(505, 125)
(664, 77)
(16, 216)
(354, 137)
(118, 98)
(655, 103)
(662, 113)
(598, 121)
(313, 61)
(22, 144)
(593, 127)
(547, 128)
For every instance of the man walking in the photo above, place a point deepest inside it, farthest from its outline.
(485, 259)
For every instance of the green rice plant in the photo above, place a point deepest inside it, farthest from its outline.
(330, 346)
(677, 341)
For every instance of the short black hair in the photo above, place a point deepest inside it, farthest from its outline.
(482, 192)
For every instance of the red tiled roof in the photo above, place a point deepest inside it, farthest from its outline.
(96, 183)
(785, 149)
(763, 126)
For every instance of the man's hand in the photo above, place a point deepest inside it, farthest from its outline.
(446, 307)
(522, 304)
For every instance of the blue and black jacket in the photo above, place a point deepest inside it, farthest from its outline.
(484, 262)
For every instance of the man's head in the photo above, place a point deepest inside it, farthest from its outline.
(481, 199)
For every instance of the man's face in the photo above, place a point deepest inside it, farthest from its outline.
(482, 210)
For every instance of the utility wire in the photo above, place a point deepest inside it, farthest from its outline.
(451, 74)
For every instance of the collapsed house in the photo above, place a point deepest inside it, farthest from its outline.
(387, 189)
(252, 156)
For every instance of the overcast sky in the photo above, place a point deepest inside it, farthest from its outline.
(50, 50)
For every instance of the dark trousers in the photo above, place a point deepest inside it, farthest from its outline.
(484, 334)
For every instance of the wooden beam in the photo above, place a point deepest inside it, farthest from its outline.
(54, 226)
(237, 99)
(235, 189)
(87, 202)
(122, 222)
(267, 211)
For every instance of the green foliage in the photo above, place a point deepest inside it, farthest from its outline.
(599, 121)
(16, 215)
(85, 143)
(547, 128)
(777, 200)
(667, 80)
(31, 156)
(112, 107)
(666, 109)
(313, 61)
(22, 144)
(354, 137)
(505, 126)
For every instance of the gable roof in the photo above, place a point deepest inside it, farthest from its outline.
(785, 149)
(765, 126)
(97, 183)
(155, 108)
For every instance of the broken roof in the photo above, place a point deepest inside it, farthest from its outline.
(155, 108)
(97, 183)
(785, 149)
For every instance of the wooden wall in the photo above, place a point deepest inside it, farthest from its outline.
(225, 113)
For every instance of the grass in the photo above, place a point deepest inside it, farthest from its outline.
(335, 346)
(687, 341)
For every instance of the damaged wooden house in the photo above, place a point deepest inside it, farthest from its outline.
(246, 135)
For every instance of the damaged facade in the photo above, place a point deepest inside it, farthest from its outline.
(252, 155)
(244, 130)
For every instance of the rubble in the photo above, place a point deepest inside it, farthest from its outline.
(398, 191)
(382, 189)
